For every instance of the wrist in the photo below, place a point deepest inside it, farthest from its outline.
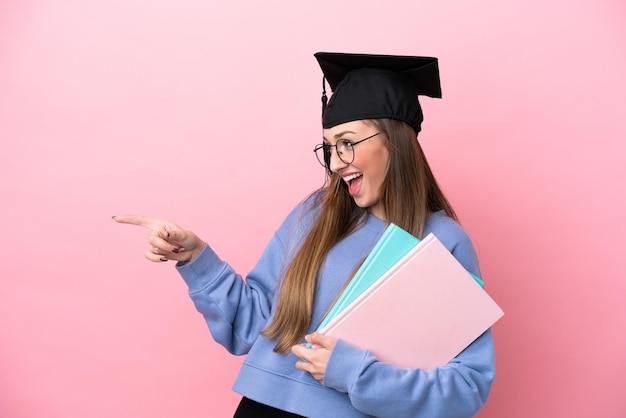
(191, 255)
(195, 253)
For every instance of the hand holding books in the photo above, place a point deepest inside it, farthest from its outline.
(411, 303)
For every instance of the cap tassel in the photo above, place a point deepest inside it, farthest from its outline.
(324, 98)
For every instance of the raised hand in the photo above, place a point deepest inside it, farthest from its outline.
(168, 241)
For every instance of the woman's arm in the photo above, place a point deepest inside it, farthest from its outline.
(236, 310)
(458, 389)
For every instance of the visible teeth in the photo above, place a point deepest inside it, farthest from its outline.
(352, 177)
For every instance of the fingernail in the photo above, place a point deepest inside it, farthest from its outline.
(163, 259)
(113, 217)
(181, 249)
(175, 250)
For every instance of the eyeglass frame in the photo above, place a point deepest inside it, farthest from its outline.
(330, 153)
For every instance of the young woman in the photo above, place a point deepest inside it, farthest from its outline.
(377, 174)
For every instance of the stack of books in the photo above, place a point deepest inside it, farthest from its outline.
(411, 303)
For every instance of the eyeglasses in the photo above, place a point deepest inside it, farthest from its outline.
(344, 148)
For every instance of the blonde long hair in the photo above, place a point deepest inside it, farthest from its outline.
(409, 193)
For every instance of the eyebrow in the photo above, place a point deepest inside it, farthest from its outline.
(340, 134)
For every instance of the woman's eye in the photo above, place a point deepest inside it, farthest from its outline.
(348, 144)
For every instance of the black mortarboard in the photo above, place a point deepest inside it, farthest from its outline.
(377, 87)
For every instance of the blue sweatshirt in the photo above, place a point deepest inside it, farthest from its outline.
(356, 384)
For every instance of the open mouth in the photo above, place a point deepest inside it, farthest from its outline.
(348, 179)
(354, 183)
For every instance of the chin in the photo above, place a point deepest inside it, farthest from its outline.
(362, 205)
(369, 206)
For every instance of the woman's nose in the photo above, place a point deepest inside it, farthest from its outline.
(336, 163)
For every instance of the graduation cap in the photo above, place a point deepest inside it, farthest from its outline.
(376, 87)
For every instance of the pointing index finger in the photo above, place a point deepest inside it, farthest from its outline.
(139, 220)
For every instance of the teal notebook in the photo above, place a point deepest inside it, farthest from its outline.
(392, 246)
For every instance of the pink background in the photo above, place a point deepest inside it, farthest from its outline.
(206, 113)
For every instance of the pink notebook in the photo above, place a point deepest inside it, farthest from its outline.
(422, 313)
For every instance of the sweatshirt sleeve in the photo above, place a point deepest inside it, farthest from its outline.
(458, 389)
(236, 310)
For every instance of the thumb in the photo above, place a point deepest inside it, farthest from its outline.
(181, 237)
(320, 340)
(174, 233)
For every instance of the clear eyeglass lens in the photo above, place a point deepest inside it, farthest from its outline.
(344, 150)
(326, 161)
